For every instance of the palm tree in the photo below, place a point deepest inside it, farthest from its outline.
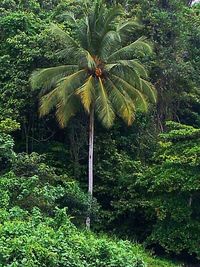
(105, 76)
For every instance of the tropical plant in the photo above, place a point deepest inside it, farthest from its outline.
(105, 75)
(7, 143)
(32, 239)
(29, 182)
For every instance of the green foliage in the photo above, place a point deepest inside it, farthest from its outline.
(120, 157)
(35, 240)
(6, 150)
(9, 125)
(158, 203)
(173, 27)
(176, 179)
(31, 183)
(6, 142)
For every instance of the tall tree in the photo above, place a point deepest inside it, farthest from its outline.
(105, 75)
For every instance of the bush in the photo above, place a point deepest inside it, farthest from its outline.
(159, 204)
(6, 142)
(31, 183)
(173, 187)
(34, 240)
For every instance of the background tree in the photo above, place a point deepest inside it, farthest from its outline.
(105, 75)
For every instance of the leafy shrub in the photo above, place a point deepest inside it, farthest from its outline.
(32, 240)
(31, 183)
(6, 142)
(6, 150)
(173, 188)
(159, 204)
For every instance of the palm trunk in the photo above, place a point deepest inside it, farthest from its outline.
(90, 163)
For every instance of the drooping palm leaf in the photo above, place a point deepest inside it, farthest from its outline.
(122, 103)
(48, 102)
(68, 103)
(45, 79)
(103, 106)
(137, 97)
(71, 47)
(62, 93)
(69, 16)
(129, 51)
(67, 109)
(64, 37)
(129, 75)
(149, 90)
(86, 93)
(135, 65)
(111, 41)
(126, 28)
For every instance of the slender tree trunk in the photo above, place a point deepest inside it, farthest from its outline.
(90, 162)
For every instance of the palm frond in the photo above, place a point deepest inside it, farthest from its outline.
(84, 34)
(86, 93)
(67, 109)
(88, 34)
(71, 48)
(135, 65)
(149, 90)
(103, 106)
(122, 103)
(91, 64)
(69, 103)
(97, 25)
(48, 102)
(62, 94)
(97, 17)
(63, 36)
(47, 78)
(128, 74)
(129, 51)
(109, 67)
(128, 26)
(69, 84)
(137, 97)
(112, 14)
(69, 16)
(111, 41)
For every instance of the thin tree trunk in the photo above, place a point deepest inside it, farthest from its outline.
(26, 131)
(90, 163)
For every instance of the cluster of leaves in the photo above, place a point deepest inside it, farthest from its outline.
(25, 46)
(173, 28)
(160, 202)
(173, 184)
(33, 240)
(31, 183)
(28, 182)
(6, 142)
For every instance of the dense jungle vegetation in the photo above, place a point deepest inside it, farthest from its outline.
(144, 63)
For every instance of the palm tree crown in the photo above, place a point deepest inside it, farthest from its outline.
(104, 74)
